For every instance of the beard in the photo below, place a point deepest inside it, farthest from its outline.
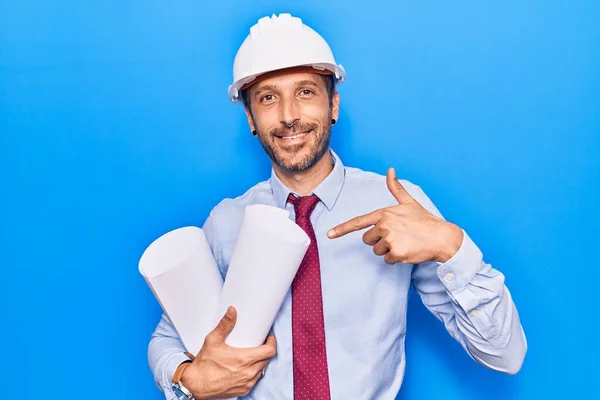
(302, 156)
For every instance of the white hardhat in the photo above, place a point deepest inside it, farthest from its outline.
(281, 42)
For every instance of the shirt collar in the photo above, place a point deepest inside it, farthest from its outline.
(327, 191)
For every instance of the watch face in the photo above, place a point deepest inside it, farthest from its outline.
(179, 395)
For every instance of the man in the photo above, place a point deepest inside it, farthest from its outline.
(340, 331)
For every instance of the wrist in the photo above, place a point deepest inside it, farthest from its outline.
(179, 371)
(192, 380)
(451, 238)
(180, 389)
(185, 378)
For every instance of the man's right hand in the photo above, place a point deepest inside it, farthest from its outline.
(221, 371)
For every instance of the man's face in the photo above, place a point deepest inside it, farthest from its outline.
(291, 114)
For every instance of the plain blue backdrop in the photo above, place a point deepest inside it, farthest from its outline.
(116, 127)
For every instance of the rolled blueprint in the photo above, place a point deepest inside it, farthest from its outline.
(266, 257)
(181, 271)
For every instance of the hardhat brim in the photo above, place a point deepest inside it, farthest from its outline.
(290, 70)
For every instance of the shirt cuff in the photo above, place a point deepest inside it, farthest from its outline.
(458, 271)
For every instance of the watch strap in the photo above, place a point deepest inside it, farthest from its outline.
(181, 392)
(179, 371)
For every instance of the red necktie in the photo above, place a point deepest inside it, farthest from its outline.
(311, 379)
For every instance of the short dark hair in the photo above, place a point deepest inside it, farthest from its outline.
(329, 83)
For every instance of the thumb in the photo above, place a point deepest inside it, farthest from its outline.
(226, 324)
(396, 187)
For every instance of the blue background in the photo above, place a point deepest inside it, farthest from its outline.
(116, 127)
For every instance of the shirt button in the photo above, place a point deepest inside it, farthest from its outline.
(449, 276)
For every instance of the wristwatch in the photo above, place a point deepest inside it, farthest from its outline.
(181, 392)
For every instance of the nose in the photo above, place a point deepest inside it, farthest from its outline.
(289, 112)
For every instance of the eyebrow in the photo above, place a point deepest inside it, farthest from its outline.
(307, 82)
(264, 88)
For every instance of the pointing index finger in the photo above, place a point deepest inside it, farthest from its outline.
(355, 224)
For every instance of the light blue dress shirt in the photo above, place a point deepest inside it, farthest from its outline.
(364, 299)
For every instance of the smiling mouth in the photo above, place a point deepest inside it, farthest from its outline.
(296, 136)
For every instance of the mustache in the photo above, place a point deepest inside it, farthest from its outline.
(297, 127)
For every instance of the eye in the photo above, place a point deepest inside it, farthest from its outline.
(267, 98)
(306, 92)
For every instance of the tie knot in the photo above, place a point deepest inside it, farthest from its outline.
(304, 206)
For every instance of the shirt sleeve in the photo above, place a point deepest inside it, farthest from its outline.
(165, 354)
(470, 297)
(165, 349)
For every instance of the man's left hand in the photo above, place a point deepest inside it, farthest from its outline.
(406, 233)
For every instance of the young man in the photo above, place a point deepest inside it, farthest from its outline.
(340, 331)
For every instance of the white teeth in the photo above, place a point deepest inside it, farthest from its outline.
(295, 136)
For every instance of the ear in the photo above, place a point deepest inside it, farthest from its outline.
(250, 119)
(335, 106)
